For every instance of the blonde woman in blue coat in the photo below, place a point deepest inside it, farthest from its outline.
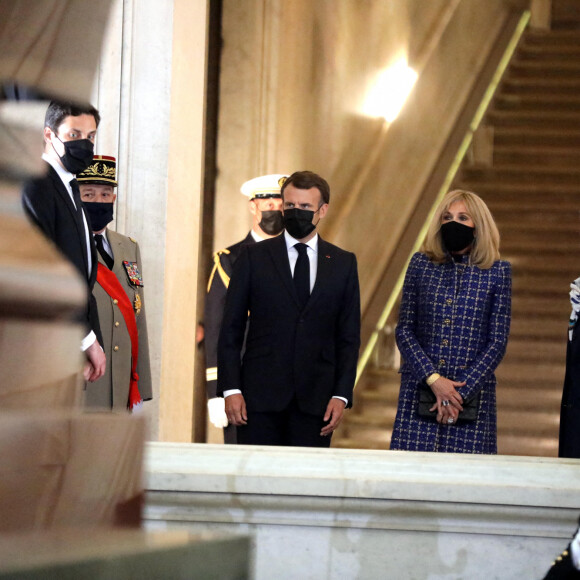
(452, 333)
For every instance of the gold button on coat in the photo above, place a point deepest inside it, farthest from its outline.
(116, 324)
(447, 321)
(115, 301)
(116, 348)
(449, 301)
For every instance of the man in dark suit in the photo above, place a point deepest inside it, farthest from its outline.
(300, 295)
(265, 205)
(53, 204)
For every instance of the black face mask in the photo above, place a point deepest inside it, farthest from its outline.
(298, 222)
(272, 222)
(78, 154)
(99, 214)
(456, 236)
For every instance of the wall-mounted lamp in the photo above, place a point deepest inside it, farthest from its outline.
(390, 92)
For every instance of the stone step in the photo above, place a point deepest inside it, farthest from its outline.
(547, 263)
(516, 373)
(535, 156)
(539, 86)
(568, 225)
(526, 350)
(552, 51)
(531, 423)
(547, 68)
(551, 329)
(542, 136)
(375, 436)
(518, 245)
(526, 305)
(566, 236)
(377, 440)
(534, 119)
(554, 37)
(526, 399)
(524, 445)
(523, 174)
(537, 103)
(560, 196)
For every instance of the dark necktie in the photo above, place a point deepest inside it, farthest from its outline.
(77, 198)
(79, 211)
(302, 274)
(101, 249)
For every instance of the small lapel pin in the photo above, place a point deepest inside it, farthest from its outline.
(327, 256)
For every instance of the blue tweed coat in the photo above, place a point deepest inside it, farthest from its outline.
(454, 320)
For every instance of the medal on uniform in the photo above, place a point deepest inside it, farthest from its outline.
(133, 273)
(137, 304)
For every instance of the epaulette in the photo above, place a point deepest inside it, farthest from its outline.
(217, 266)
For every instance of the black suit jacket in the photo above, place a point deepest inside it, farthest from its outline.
(214, 308)
(311, 353)
(570, 409)
(48, 204)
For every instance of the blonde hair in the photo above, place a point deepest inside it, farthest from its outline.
(485, 250)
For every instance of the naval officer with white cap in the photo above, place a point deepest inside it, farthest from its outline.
(265, 205)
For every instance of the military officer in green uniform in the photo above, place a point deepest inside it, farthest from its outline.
(119, 295)
(265, 205)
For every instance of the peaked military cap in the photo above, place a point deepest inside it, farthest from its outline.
(264, 186)
(102, 171)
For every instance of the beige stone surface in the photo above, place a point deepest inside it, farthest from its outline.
(68, 469)
(103, 555)
(48, 45)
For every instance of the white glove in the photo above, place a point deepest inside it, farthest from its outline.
(217, 412)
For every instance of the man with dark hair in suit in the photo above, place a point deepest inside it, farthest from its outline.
(53, 204)
(299, 297)
(265, 205)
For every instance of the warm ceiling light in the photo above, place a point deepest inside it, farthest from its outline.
(390, 92)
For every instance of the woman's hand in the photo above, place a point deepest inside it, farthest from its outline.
(449, 401)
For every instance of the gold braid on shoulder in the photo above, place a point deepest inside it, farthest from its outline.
(217, 266)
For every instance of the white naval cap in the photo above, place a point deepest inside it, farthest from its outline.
(264, 186)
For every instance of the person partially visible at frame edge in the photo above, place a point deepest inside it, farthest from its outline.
(119, 292)
(569, 439)
(265, 205)
(452, 332)
(566, 566)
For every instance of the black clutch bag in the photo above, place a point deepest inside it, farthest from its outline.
(427, 399)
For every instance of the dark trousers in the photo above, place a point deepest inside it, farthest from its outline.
(230, 435)
(290, 427)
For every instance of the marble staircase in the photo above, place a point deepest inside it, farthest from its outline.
(532, 186)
